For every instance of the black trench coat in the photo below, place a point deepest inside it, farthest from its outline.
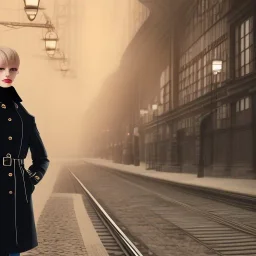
(18, 133)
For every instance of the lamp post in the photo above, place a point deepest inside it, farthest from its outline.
(144, 139)
(142, 143)
(216, 69)
(31, 8)
(155, 108)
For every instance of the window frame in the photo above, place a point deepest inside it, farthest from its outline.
(239, 51)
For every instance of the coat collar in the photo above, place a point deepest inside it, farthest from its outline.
(8, 95)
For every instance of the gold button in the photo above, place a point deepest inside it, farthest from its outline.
(37, 177)
(9, 119)
(10, 174)
(3, 106)
(10, 138)
(10, 192)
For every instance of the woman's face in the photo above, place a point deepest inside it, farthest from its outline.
(7, 74)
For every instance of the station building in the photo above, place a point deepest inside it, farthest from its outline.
(186, 90)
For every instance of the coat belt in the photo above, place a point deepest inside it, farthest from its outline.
(8, 160)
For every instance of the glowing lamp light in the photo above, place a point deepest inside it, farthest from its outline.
(51, 39)
(31, 8)
(154, 106)
(216, 66)
(143, 112)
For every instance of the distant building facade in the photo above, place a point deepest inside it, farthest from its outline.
(131, 14)
(209, 125)
(189, 118)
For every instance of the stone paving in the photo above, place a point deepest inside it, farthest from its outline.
(58, 231)
(64, 228)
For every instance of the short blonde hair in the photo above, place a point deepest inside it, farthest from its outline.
(9, 56)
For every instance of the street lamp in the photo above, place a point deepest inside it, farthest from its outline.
(154, 108)
(64, 65)
(51, 39)
(216, 69)
(31, 8)
(216, 66)
(143, 141)
(143, 112)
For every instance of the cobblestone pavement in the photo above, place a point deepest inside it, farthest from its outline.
(58, 231)
(133, 208)
(64, 227)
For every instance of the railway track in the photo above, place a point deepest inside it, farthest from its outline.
(220, 235)
(199, 220)
(208, 201)
(211, 224)
(113, 238)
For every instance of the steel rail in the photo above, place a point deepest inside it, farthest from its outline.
(130, 248)
(224, 221)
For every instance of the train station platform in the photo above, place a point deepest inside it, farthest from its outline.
(240, 186)
(62, 222)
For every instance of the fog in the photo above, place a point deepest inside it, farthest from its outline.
(89, 36)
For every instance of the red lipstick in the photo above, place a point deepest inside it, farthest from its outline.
(7, 80)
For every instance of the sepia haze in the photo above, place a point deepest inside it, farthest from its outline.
(90, 35)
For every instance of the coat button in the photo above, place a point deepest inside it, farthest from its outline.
(10, 138)
(10, 174)
(37, 177)
(9, 119)
(10, 192)
(3, 106)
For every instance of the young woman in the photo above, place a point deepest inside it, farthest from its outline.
(18, 133)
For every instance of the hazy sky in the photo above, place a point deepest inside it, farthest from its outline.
(90, 38)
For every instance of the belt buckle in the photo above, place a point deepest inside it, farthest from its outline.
(8, 158)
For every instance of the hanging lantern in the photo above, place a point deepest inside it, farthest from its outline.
(64, 62)
(51, 39)
(64, 65)
(31, 8)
